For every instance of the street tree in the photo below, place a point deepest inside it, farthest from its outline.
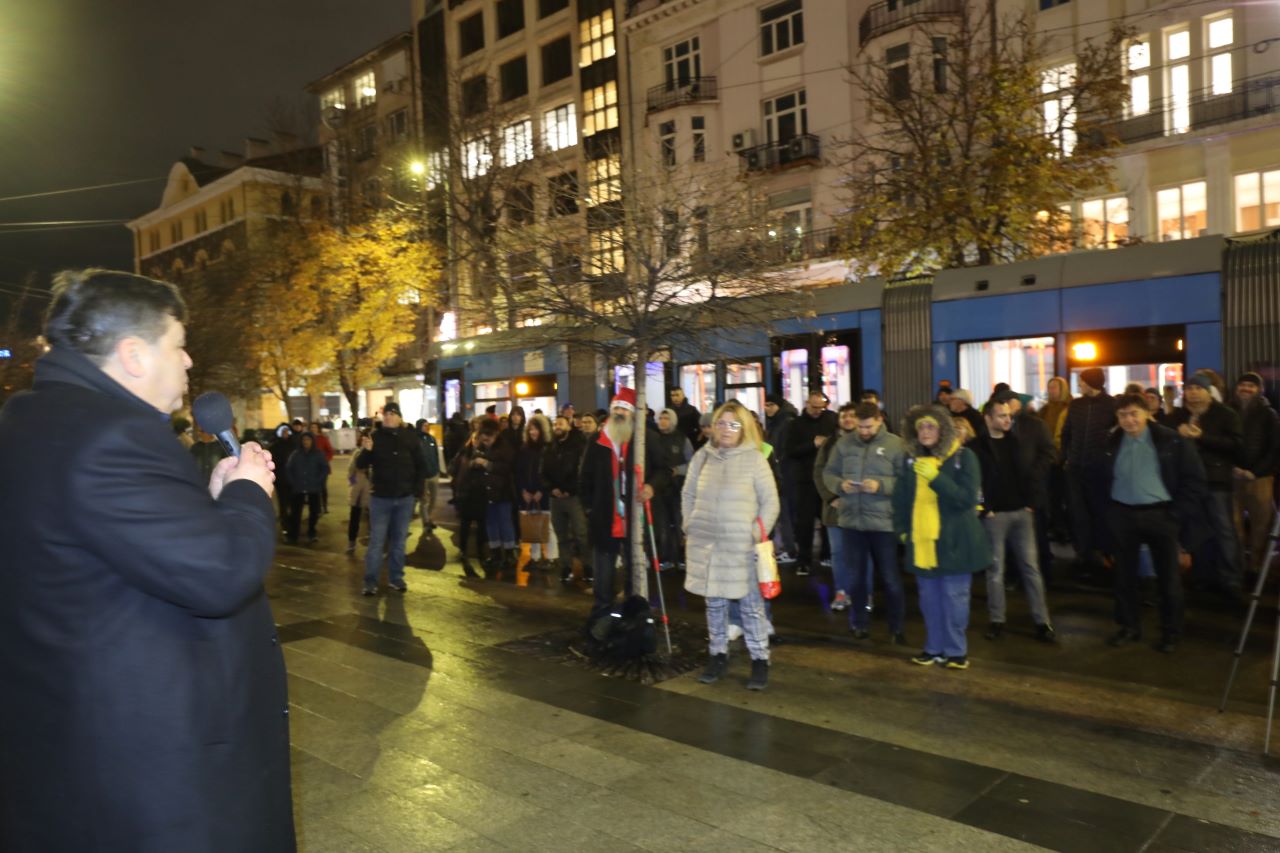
(977, 131)
(640, 261)
(355, 296)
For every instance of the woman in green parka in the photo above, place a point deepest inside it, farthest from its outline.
(935, 513)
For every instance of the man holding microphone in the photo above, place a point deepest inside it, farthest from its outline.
(145, 704)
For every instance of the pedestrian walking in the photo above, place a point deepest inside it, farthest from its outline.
(360, 490)
(308, 472)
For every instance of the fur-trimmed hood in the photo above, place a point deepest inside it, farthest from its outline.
(947, 435)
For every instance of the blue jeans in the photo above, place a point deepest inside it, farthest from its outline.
(944, 602)
(388, 526)
(500, 525)
(856, 547)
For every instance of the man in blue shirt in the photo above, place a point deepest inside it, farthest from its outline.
(1156, 483)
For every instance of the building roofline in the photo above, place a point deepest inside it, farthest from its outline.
(321, 83)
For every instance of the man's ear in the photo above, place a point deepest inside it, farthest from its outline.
(133, 355)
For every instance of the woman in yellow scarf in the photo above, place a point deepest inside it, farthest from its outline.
(935, 510)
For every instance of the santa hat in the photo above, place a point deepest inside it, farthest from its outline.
(625, 398)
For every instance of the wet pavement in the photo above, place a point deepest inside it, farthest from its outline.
(419, 725)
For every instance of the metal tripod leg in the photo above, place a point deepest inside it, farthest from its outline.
(1254, 598)
(1271, 693)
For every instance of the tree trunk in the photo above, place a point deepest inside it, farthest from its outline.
(353, 399)
(639, 524)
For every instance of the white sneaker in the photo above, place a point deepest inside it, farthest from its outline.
(841, 602)
(734, 632)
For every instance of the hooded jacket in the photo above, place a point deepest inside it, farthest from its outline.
(963, 546)
(308, 470)
(726, 490)
(858, 460)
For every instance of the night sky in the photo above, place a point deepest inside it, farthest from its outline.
(93, 92)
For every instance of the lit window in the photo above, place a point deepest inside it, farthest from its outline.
(560, 127)
(604, 251)
(596, 39)
(517, 142)
(604, 180)
(1177, 49)
(1139, 62)
(366, 89)
(600, 108)
(1219, 37)
(1257, 200)
(781, 26)
(1182, 211)
(1104, 222)
(1056, 85)
(334, 98)
(1025, 364)
(476, 158)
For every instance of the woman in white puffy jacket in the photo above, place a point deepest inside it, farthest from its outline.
(730, 502)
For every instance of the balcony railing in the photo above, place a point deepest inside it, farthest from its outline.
(775, 155)
(788, 247)
(1203, 109)
(676, 92)
(894, 14)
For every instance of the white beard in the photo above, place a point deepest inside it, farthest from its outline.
(619, 430)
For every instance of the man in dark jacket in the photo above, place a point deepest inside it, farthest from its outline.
(1008, 517)
(1255, 472)
(1089, 419)
(1035, 445)
(396, 460)
(457, 432)
(1157, 488)
(610, 498)
(1214, 430)
(809, 431)
(687, 416)
(145, 704)
(561, 464)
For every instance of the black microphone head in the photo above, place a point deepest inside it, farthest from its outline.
(212, 411)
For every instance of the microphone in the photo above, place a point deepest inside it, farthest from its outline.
(212, 412)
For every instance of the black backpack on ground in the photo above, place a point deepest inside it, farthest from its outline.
(625, 631)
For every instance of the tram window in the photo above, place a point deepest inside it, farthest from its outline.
(452, 397)
(655, 383)
(1026, 364)
(699, 384)
(836, 378)
(496, 394)
(1160, 376)
(795, 376)
(744, 382)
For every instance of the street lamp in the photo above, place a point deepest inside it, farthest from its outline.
(417, 167)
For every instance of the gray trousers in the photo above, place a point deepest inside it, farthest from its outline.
(430, 491)
(1014, 531)
(570, 524)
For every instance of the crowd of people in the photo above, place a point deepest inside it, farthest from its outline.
(1142, 488)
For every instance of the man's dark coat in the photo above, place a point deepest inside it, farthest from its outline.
(143, 703)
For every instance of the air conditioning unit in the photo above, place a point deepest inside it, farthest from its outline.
(744, 139)
(798, 148)
(756, 160)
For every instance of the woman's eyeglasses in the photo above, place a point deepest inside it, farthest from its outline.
(731, 426)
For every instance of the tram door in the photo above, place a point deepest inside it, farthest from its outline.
(826, 362)
(1150, 356)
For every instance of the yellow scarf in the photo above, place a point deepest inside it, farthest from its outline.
(926, 523)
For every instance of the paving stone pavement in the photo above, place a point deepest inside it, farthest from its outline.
(413, 730)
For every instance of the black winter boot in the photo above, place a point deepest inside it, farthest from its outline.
(759, 675)
(717, 666)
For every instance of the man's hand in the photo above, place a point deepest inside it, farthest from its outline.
(848, 487)
(646, 492)
(527, 495)
(254, 464)
(871, 486)
(819, 440)
(1190, 431)
(556, 493)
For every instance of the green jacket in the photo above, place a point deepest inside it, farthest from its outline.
(963, 546)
